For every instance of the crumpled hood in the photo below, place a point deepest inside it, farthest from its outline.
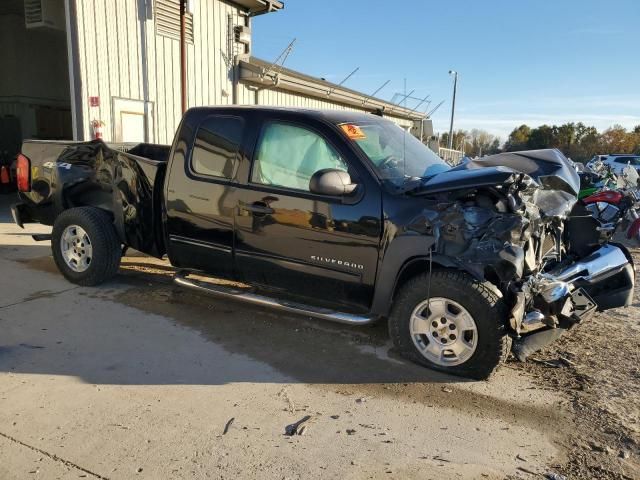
(456, 179)
(550, 169)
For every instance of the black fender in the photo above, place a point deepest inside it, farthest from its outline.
(401, 256)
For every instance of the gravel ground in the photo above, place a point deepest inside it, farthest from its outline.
(597, 369)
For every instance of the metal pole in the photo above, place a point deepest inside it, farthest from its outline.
(453, 105)
(183, 54)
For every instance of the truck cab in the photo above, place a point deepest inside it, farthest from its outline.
(341, 216)
(238, 201)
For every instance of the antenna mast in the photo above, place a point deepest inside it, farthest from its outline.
(434, 109)
(342, 82)
(278, 64)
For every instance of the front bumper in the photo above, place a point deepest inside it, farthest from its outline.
(603, 280)
(560, 298)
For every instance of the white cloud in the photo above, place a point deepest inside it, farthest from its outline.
(502, 116)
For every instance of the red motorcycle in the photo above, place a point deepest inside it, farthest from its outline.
(616, 208)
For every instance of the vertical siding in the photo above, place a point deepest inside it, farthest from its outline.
(113, 63)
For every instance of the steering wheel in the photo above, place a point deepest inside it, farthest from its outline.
(390, 162)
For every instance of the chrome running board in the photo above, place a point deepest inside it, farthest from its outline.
(263, 301)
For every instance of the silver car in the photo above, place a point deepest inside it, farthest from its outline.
(616, 161)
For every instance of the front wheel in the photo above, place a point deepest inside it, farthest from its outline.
(85, 246)
(457, 325)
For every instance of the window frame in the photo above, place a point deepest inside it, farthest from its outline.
(351, 199)
(190, 171)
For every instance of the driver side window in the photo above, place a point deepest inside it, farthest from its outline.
(288, 155)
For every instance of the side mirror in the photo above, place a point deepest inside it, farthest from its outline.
(331, 181)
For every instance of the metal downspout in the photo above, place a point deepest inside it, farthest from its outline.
(183, 55)
(73, 63)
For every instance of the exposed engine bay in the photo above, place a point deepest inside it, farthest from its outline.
(526, 236)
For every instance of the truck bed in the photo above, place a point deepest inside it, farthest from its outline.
(128, 178)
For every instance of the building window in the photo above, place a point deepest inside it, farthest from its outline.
(167, 17)
(215, 152)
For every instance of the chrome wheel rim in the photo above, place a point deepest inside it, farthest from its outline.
(76, 248)
(443, 331)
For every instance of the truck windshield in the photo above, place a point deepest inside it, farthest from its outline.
(396, 155)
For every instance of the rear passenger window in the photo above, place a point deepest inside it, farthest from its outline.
(215, 151)
(288, 156)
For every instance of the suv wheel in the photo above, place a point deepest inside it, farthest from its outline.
(459, 330)
(85, 246)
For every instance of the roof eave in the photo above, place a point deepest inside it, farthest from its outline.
(259, 7)
(253, 71)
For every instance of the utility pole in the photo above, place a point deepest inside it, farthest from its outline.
(183, 54)
(453, 105)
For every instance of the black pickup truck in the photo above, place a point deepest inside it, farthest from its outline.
(340, 216)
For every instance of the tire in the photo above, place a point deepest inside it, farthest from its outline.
(102, 251)
(466, 302)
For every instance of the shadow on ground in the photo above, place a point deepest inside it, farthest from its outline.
(142, 330)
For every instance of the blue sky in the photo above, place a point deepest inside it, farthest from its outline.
(520, 61)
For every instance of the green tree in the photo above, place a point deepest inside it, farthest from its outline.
(518, 138)
(542, 137)
(586, 145)
(494, 147)
(617, 140)
(458, 139)
(480, 142)
(565, 136)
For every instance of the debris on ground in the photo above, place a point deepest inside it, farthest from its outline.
(526, 470)
(555, 476)
(228, 425)
(600, 388)
(548, 363)
(297, 428)
(567, 362)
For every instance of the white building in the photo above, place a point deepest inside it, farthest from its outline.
(67, 63)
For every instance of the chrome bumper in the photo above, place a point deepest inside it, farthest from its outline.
(604, 279)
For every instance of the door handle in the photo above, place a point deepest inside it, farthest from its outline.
(259, 208)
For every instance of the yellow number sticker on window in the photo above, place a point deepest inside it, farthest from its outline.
(354, 132)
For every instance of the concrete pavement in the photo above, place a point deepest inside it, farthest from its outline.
(137, 379)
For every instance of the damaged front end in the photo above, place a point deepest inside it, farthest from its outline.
(551, 302)
(522, 234)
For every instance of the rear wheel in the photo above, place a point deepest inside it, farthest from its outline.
(85, 246)
(457, 325)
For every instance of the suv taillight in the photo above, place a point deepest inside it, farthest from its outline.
(23, 173)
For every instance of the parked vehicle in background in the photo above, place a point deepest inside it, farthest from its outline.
(340, 216)
(594, 178)
(616, 162)
(615, 200)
